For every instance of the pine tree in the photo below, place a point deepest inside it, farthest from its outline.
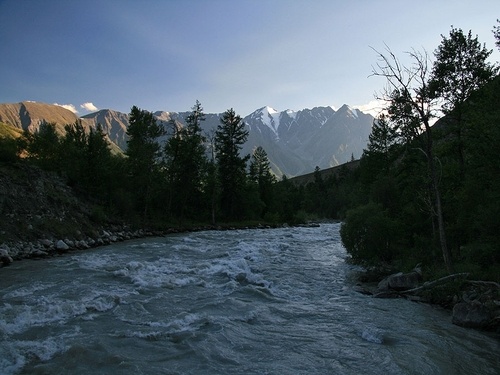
(229, 138)
(144, 152)
(460, 69)
(43, 146)
(410, 108)
(260, 174)
(186, 162)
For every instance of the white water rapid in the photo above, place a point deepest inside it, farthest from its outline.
(275, 301)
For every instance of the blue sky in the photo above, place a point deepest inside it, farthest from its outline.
(241, 54)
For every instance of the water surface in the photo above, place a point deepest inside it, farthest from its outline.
(275, 301)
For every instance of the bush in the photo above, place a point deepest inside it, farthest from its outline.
(369, 234)
(8, 150)
(98, 215)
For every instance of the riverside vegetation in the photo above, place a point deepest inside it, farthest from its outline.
(419, 195)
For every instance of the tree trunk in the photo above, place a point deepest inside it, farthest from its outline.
(437, 200)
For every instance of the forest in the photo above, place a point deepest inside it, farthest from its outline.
(426, 190)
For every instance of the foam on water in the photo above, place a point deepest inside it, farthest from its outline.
(15, 354)
(256, 301)
(155, 274)
(29, 290)
(47, 310)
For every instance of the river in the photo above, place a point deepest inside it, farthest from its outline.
(260, 301)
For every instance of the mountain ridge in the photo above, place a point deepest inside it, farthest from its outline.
(296, 141)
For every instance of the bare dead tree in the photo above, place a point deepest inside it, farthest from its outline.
(411, 107)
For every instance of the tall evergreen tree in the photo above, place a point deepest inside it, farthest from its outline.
(43, 146)
(460, 68)
(186, 161)
(382, 138)
(87, 161)
(229, 138)
(260, 173)
(144, 152)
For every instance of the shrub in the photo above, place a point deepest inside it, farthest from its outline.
(8, 150)
(368, 233)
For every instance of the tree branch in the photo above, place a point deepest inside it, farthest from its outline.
(432, 284)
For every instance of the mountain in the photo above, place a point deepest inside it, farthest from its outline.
(29, 115)
(113, 123)
(295, 141)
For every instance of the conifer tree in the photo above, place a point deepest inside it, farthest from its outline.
(460, 68)
(43, 146)
(229, 138)
(186, 161)
(144, 152)
(411, 109)
(260, 173)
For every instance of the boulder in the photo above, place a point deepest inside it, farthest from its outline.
(5, 258)
(471, 315)
(400, 281)
(404, 281)
(47, 243)
(61, 245)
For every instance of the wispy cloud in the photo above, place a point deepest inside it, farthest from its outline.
(70, 107)
(374, 107)
(88, 106)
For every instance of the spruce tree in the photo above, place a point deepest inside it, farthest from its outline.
(460, 68)
(229, 138)
(261, 174)
(186, 163)
(411, 109)
(144, 152)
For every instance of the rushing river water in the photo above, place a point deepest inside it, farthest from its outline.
(276, 301)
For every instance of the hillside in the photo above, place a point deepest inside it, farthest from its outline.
(113, 123)
(38, 204)
(325, 173)
(29, 115)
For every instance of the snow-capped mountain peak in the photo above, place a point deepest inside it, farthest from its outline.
(269, 117)
(349, 111)
(291, 114)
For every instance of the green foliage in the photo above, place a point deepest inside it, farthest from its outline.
(261, 175)
(369, 234)
(144, 155)
(43, 146)
(289, 198)
(8, 150)
(460, 68)
(382, 139)
(496, 34)
(397, 185)
(229, 138)
(186, 164)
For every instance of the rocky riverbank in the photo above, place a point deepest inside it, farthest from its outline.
(45, 247)
(473, 304)
(41, 216)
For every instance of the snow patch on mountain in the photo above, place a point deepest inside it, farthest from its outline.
(291, 114)
(269, 117)
(349, 111)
